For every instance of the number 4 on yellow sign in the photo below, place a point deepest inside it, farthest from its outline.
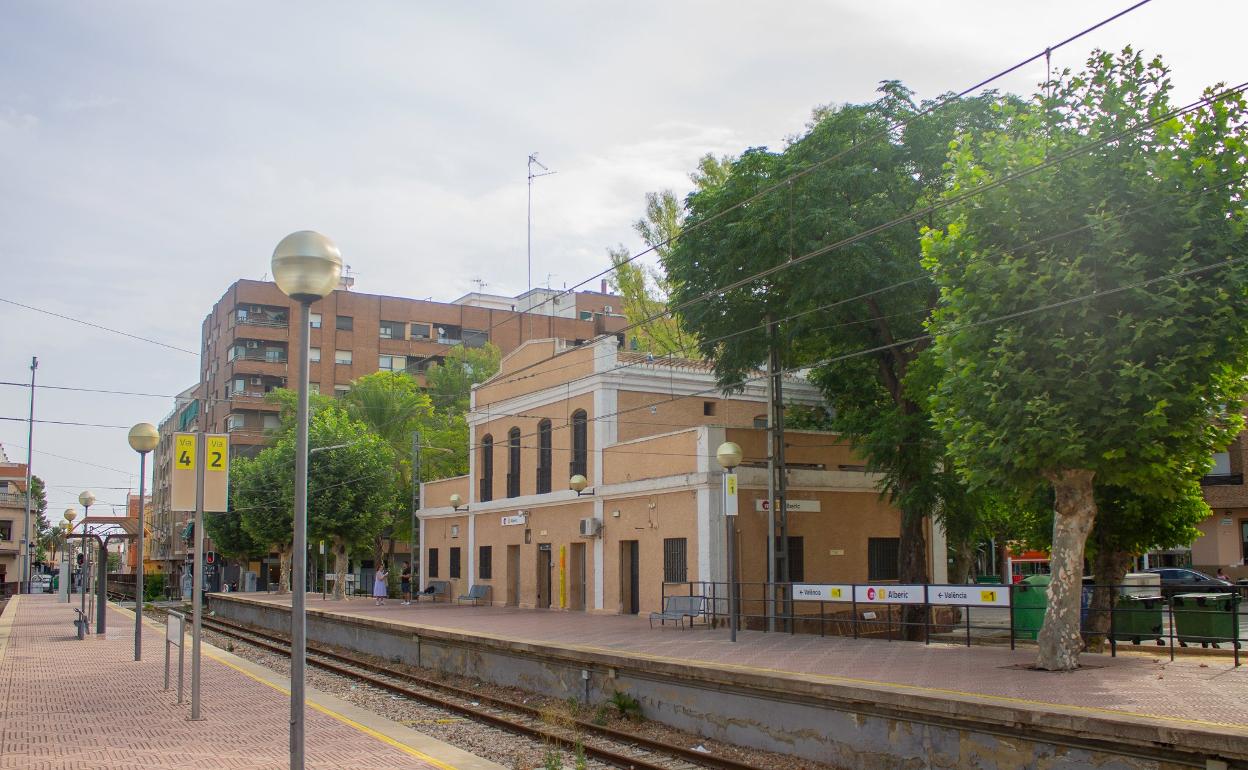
(218, 449)
(184, 452)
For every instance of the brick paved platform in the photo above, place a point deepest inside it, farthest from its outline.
(1198, 703)
(66, 703)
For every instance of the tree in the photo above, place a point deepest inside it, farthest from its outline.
(450, 382)
(43, 534)
(229, 538)
(872, 295)
(1137, 376)
(262, 495)
(351, 488)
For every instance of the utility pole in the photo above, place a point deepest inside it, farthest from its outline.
(30, 442)
(411, 536)
(780, 503)
(771, 493)
(197, 566)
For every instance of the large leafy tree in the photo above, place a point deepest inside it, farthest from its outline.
(847, 174)
(262, 496)
(1132, 374)
(450, 382)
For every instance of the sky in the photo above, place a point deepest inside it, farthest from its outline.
(152, 153)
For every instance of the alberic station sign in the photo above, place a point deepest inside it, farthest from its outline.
(954, 595)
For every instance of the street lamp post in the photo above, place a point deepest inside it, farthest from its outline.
(87, 500)
(729, 456)
(143, 438)
(70, 515)
(306, 266)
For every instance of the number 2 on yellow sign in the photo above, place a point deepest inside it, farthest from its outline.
(218, 448)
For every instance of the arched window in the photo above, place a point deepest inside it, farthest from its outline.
(513, 462)
(487, 468)
(580, 444)
(543, 456)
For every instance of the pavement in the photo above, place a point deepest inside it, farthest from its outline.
(68, 704)
(1204, 693)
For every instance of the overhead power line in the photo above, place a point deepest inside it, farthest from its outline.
(98, 326)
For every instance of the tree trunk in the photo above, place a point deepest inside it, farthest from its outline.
(340, 568)
(963, 558)
(1074, 511)
(283, 560)
(912, 568)
(1109, 567)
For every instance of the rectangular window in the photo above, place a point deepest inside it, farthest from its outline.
(239, 385)
(314, 320)
(420, 331)
(314, 387)
(343, 323)
(455, 562)
(314, 355)
(392, 363)
(341, 390)
(342, 356)
(274, 355)
(708, 408)
(586, 315)
(797, 560)
(232, 353)
(675, 560)
(6, 530)
(234, 422)
(485, 564)
(882, 553)
(272, 422)
(475, 338)
(392, 330)
(433, 562)
(1221, 464)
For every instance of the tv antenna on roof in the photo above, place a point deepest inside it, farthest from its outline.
(480, 283)
(533, 161)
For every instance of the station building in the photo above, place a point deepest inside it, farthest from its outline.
(643, 431)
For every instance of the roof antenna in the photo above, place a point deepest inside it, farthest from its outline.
(533, 161)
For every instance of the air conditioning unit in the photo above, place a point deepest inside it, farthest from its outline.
(591, 527)
(253, 344)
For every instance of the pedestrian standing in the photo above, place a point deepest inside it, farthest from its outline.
(380, 589)
(405, 583)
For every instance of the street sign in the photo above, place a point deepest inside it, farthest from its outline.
(792, 506)
(972, 596)
(216, 473)
(822, 593)
(889, 594)
(182, 494)
(730, 494)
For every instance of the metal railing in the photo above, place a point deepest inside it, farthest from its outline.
(13, 499)
(968, 613)
(261, 320)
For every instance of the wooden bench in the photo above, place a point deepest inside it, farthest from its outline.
(436, 589)
(475, 594)
(678, 608)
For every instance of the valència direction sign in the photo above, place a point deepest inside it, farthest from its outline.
(822, 593)
(974, 596)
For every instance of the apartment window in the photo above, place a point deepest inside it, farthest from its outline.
(343, 323)
(675, 560)
(797, 561)
(392, 330)
(392, 363)
(234, 422)
(543, 456)
(475, 338)
(314, 355)
(314, 387)
(487, 468)
(341, 390)
(420, 331)
(6, 530)
(314, 320)
(433, 562)
(513, 462)
(272, 422)
(455, 562)
(238, 384)
(760, 421)
(580, 443)
(1221, 464)
(342, 356)
(231, 353)
(882, 554)
(708, 408)
(586, 315)
(485, 564)
(274, 355)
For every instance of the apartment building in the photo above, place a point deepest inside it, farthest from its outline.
(644, 433)
(12, 519)
(1224, 535)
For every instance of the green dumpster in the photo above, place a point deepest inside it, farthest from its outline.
(1138, 618)
(1031, 598)
(988, 580)
(1205, 618)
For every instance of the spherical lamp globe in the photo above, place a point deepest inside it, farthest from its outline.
(578, 483)
(729, 454)
(70, 515)
(87, 499)
(306, 266)
(143, 437)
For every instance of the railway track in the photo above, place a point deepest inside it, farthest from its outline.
(608, 745)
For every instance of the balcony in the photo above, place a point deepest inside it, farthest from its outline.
(13, 499)
(269, 356)
(1222, 480)
(271, 320)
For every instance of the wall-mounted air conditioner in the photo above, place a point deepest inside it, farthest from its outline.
(591, 527)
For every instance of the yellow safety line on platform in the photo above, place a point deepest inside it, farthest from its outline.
(323, 709)
(829, 678)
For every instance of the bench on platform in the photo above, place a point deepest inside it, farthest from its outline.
(678, 608)
(436, 589)
(477, 593)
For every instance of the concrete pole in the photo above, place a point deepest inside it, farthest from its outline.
(771, 498)
(411, 537)
(30, 442)
(298, 622)
(197, 567)
(101, 589)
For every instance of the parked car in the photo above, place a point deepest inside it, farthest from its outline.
(1175, 580)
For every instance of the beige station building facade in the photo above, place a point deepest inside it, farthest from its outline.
(644, 432)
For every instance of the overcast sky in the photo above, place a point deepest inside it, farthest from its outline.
(152, 153)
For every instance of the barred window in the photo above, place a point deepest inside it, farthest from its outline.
(797, 561)
(882, 554)
(485, 565)
(675, 560)
(454, 562)
(433, 562)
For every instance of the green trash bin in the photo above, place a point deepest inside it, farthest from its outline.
(1205, 618)
(1031, 599)
(1138, 618)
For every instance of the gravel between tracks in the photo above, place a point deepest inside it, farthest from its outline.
(506, 748)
